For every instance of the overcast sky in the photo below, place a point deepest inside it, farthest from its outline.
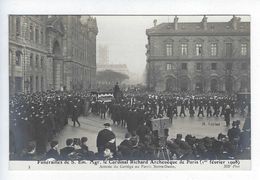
(126, 39)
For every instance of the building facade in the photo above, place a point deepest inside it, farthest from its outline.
(199, 57)
(51, 52)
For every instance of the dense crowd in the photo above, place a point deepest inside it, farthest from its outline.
(40, 116)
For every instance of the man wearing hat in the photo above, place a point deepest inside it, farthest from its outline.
(104, 137)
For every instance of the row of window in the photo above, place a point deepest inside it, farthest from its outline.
(199, 66)
(39, 83)
(35, 34)
(39, 63)
(213, 49)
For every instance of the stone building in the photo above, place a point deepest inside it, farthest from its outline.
(51, 52)
(199, 56)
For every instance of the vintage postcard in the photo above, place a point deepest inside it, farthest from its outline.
(129, 92)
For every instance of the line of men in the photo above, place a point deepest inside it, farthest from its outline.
(135, 109)
(40, 116)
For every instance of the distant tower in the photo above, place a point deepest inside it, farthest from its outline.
(103, 57)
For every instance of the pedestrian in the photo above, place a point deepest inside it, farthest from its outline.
(227, 115)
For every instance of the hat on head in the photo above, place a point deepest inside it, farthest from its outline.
(107, 125)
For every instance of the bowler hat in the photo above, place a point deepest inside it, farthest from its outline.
(107, 125)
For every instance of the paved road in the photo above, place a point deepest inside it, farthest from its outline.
(92, 124)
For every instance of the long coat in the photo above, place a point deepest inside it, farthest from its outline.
(104, 136)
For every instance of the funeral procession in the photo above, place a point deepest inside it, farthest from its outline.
(129, 87)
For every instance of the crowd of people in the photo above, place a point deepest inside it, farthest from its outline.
(40, 116)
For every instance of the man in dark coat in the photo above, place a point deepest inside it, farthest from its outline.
(53, 152)
(64, 152)
(103, 138)
(75, 115)
(103, 110)
(227, 115)
(84, 152)
(126, 146)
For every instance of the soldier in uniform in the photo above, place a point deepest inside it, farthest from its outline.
(201, 112)
(182, 110)
(209, 111)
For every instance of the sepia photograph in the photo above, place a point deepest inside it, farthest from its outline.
(156, 90)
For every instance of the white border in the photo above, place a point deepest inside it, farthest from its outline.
(129, 7)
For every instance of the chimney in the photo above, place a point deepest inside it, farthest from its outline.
(154, 22)
(234, 21)
(204, 22)
(176, 22)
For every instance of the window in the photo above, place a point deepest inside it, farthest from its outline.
(213, 49)
(18, 58)
(168, 67)
(37, 83)
(42, 84)
(42, 62)
(184, 66)
(243, 49)
(228, 49)
(37, 35)
(243, 66)
(31, 83)
(37, 61)
(199, 66)
(18, 26)
(31, 32)
(18, 84)
(229, 66)
(184, 49)
(168, 49)
(198, 49)
(42, 38)
(31, 60)
(213, 66)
